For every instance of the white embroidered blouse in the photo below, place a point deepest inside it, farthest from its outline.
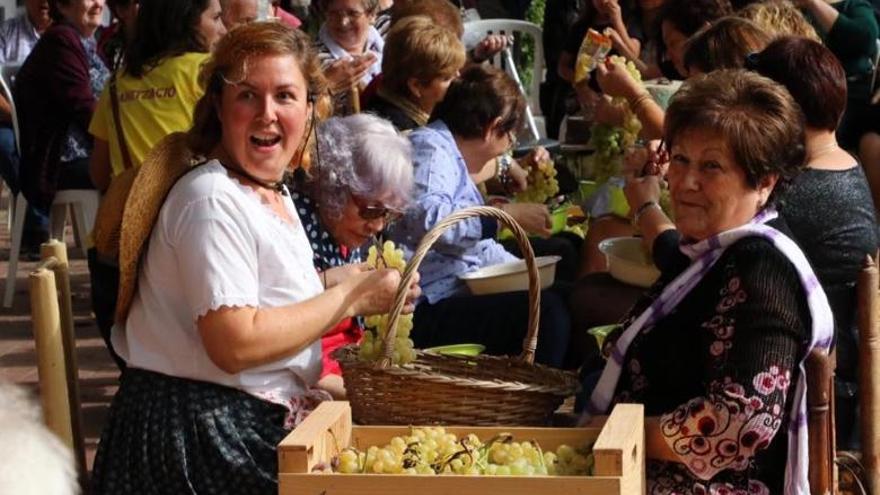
(215, 244)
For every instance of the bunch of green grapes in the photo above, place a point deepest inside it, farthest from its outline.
(609, 141)
(377, 325)
(608, 157)
(435, 451)
(570, 461)
(542, 183)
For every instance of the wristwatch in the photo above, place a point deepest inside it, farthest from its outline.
(502, 171)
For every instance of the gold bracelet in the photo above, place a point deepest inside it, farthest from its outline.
(635, 103)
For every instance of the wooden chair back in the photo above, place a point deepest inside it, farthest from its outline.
(820, 422)
(52, 316)
(869, 371)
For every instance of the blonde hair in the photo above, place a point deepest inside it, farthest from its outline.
(725, 44)
(416, 47)
(229, 64)
(779, 18)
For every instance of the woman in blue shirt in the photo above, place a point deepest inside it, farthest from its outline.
(475, 123)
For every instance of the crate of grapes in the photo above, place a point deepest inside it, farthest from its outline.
(427, 388)
(328, 455)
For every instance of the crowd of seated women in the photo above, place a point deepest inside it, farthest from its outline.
(267, 160)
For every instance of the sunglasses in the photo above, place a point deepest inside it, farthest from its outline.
(372, 212)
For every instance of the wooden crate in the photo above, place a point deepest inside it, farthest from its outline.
(619, 452)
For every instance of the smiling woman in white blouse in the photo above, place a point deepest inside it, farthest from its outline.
(222, 339)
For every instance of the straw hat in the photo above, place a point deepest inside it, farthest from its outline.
(167, 162)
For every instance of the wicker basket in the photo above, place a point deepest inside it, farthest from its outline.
(441, 389)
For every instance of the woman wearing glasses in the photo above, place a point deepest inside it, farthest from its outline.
(475, 122)
(349, 48)
(361, 181)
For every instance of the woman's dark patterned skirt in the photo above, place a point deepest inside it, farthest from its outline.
(167, 435)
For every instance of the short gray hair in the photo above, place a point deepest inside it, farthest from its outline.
(363, 155)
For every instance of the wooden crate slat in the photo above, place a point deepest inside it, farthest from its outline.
(390, 484)
(620, 448)
(322, 435)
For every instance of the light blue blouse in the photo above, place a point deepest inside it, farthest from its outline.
(443, 186)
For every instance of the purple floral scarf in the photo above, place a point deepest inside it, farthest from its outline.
(704, 254)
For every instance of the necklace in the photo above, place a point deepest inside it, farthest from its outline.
(820, 151)
(275, 186)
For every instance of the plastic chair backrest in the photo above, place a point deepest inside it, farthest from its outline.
(477, 30)
(876, 67)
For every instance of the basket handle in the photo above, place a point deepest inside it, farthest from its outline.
(531, 340)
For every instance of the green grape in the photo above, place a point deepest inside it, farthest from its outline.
(609, 141)
(434, 451)
(377, 325)
(542, 184)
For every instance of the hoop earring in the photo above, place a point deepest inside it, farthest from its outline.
(310, 124)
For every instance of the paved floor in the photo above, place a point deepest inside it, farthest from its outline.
(97, 373)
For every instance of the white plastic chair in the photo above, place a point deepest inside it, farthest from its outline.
(7, 76)
(83, 206)
(82, 203)
(875, 66)
(474, 31)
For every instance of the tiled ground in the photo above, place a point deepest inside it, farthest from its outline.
(97, 373)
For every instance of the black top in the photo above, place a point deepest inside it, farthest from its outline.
(389, 111)
(831, 214)
(327, 252)
(720, 369)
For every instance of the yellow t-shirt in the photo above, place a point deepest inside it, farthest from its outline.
(150, 107)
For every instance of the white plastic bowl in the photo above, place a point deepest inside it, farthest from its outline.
(510, 277)
(628, 261)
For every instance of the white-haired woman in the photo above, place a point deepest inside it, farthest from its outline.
(35, 460)
(362, 179)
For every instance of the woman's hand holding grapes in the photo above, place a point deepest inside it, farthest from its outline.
(533, 217)
(375, 291)
(615, 80)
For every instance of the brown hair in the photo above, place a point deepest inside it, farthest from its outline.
(418, 48)
(811, 73)
(230, 61)
(757, 117)
(370, 6)
(688, 16)
(442, 12)
(779, 18)
(724, 44)
(55, 9)
(480, 95)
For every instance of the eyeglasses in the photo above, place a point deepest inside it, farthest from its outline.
(511, 138)
(340, 15)
(375, 211)
(752, 61)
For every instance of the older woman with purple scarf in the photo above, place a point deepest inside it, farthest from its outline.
(55, 92)
(715, 350)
